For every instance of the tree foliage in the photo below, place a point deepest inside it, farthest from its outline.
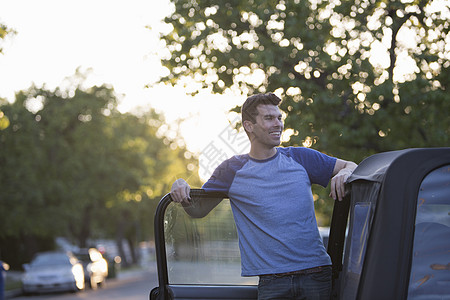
(357, 77)
(4, 32)
(74, 166)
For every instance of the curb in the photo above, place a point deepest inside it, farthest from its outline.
(12, 293)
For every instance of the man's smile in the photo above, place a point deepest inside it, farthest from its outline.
(275, 133)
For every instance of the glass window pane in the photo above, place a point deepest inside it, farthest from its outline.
(364, 198)
(205, 250)
(362, 215)
(430, 269)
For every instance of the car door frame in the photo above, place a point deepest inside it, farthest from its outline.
(391, 234)
(165, 290)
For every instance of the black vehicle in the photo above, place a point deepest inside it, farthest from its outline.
(95, 266)
(389, 238)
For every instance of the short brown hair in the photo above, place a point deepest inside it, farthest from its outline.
(249, 108)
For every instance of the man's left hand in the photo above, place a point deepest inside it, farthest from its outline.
(342, 170)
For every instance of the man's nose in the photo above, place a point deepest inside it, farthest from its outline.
(279, 123)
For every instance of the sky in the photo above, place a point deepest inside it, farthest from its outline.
(116, 43)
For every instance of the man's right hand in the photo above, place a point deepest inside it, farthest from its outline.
(180, 191)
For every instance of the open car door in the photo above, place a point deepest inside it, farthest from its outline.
(199, 258)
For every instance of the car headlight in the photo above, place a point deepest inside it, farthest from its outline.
(77, 272)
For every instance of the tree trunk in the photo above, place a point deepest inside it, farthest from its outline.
(120, 236)
(85, 230)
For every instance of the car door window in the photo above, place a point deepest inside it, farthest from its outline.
(430, 267)
(361, 216)
(205, 250)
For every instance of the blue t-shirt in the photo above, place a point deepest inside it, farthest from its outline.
(273, 208)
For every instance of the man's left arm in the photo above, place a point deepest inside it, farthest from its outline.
(342, 170)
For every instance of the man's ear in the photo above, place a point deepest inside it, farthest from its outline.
(248, 126)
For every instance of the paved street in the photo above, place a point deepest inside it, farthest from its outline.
(129, 285)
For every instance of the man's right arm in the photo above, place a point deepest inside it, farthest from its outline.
(196, 209)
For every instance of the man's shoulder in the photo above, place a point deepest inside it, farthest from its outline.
(304, 155)
(224, 174)
(240, 157)
(234, 162)
(296, 151)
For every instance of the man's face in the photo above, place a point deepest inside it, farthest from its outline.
(267, 130)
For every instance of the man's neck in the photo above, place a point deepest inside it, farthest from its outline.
(262, 154)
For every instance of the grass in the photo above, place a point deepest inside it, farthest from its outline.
(12, 285)
(12, 282)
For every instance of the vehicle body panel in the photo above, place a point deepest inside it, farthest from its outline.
(393, 179)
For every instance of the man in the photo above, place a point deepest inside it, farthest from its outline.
(273, 207)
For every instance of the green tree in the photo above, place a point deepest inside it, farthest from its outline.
(5, 31)
(24, 218)
(155, 161)
(74, 166)
(320, 56)
(338, 65)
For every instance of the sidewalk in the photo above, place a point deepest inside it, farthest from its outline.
(137, 271)
(12, 293)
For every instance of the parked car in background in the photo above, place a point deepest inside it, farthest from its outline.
(95, 266)
(325, 235)
(53, 272)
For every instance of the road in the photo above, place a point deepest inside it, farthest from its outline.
(135, 285)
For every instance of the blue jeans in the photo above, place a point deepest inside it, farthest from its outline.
(310, 286)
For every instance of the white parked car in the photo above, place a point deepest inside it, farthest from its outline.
(53, 272)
